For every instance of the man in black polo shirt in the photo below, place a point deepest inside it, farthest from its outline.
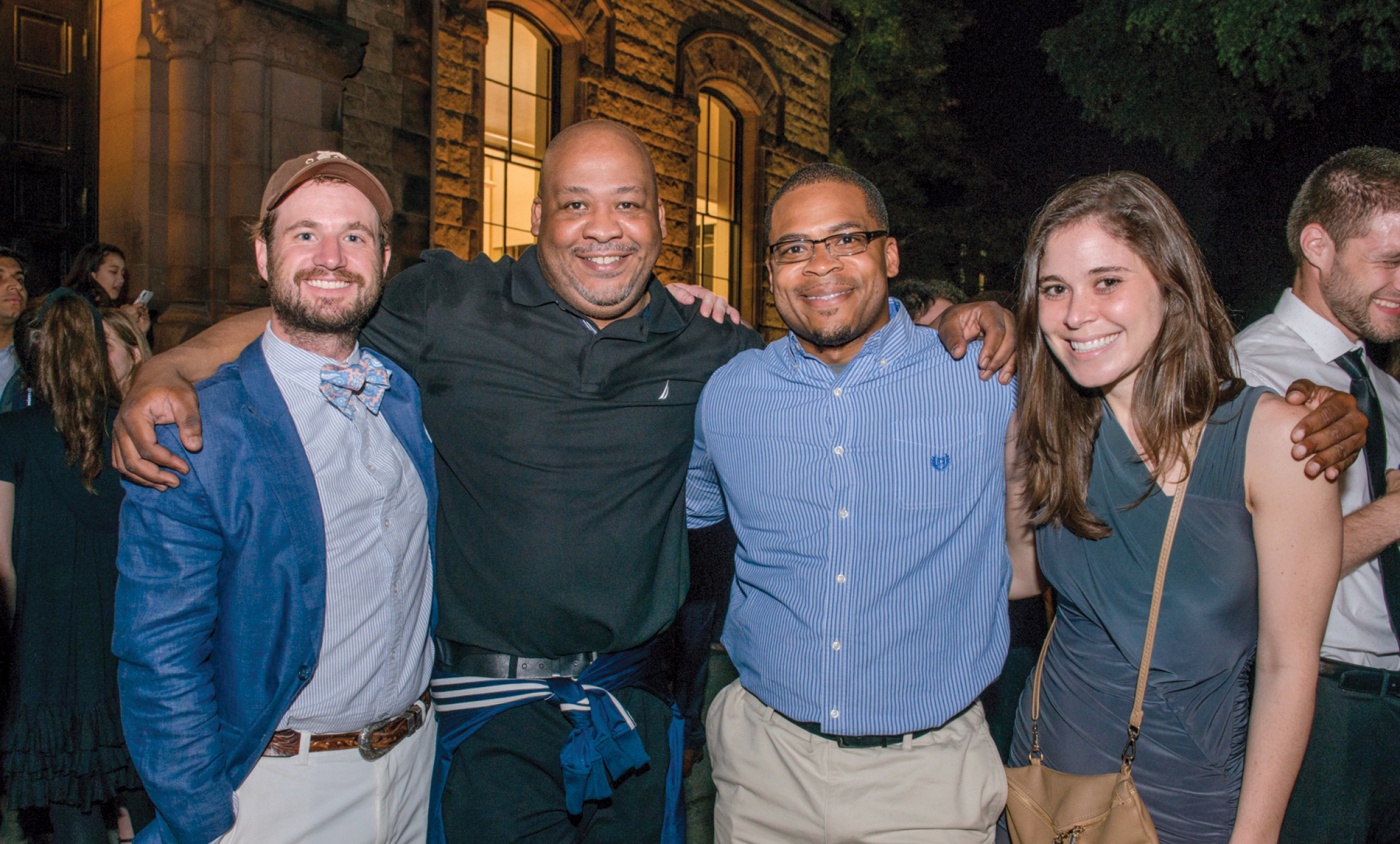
(560, 393)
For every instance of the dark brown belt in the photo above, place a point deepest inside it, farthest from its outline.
(855, 741)
(373, 740)
(1361, 678)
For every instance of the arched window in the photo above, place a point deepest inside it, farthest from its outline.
(717, 196)
(520, 113)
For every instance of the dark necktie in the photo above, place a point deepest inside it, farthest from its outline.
(1354, 363)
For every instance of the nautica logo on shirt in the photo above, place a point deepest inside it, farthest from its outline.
(665, 391)
(940, 461)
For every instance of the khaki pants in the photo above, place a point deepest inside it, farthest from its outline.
(337, 796)
(776, 782)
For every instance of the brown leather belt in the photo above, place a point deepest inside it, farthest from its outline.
(373, 740)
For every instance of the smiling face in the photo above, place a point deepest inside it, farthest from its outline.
(598, 221)
(831, 303)
(13, 295)
(110, 275)
(1361, 283)
(1100, 309)
(324, 270)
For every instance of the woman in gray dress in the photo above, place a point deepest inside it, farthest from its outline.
(1127, 350)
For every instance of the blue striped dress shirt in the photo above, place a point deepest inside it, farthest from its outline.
(376, 655)
(872, 573)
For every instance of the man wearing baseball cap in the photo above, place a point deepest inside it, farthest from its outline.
(274, 610)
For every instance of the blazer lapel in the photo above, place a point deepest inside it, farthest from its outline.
(280, 459)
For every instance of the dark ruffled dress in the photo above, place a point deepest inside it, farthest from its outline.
(1190, 758)
(62, 739)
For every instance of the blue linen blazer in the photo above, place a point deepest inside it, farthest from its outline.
(222, 591)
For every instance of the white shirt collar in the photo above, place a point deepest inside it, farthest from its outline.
(1325, 339)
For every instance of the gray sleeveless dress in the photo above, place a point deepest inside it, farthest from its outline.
(1190, 758)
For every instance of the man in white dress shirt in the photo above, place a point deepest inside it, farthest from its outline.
(1344, 233)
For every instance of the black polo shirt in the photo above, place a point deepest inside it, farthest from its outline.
(561, 451)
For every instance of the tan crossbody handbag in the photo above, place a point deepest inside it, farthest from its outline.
(1049, 807)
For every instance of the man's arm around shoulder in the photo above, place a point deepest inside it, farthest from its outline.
(166, 613)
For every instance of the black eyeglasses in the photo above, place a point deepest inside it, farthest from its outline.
(840, 245)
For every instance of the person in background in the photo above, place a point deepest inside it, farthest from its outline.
(127, 348)
(925, 298)
(62, 742)
(99, 273)
(1344, 236)
(13, 297)
(1128, 388)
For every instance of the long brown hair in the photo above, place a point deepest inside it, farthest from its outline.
(1187, 372)
(73, 378)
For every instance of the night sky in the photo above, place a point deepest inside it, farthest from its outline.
(1236, 200)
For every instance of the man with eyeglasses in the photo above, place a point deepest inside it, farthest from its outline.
(863, 469)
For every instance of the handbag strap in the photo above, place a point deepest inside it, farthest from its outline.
(1145, 665)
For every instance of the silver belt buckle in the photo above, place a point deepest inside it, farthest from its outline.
(416, 715)
(366, 740)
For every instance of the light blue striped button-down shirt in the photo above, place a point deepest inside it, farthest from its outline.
(375, 652)
(872, 573)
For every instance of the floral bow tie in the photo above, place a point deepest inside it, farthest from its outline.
(368, 379)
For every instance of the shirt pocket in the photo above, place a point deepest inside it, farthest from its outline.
(937, 463)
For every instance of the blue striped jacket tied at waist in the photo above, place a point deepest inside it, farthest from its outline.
(603, 729)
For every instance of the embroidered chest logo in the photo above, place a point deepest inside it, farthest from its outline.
(940, 461)
(665, 391)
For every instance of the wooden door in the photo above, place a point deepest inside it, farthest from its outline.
(48, 132)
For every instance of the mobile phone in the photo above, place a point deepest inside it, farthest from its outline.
(144, 297)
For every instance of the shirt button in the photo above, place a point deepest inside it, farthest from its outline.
(836, 646)
(836, 392)
(840, 578)
(883, 362)
(373, 469)
(386, 523)
(843, 512)
(839, 451)
(835, 713)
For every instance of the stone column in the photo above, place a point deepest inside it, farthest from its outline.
(186, 29)
(249, 158)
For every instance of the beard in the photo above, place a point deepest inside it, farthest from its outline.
(1351, 305)
(326, 319)
(831, 337)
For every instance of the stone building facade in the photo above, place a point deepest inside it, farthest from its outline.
(198, 100)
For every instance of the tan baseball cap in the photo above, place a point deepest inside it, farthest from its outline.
(296, 172)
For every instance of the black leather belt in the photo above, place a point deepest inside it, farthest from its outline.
(1359, 678)
(856, 741)
(473, 662)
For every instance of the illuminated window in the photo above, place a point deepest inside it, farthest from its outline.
(717, 197)
(519, 114)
